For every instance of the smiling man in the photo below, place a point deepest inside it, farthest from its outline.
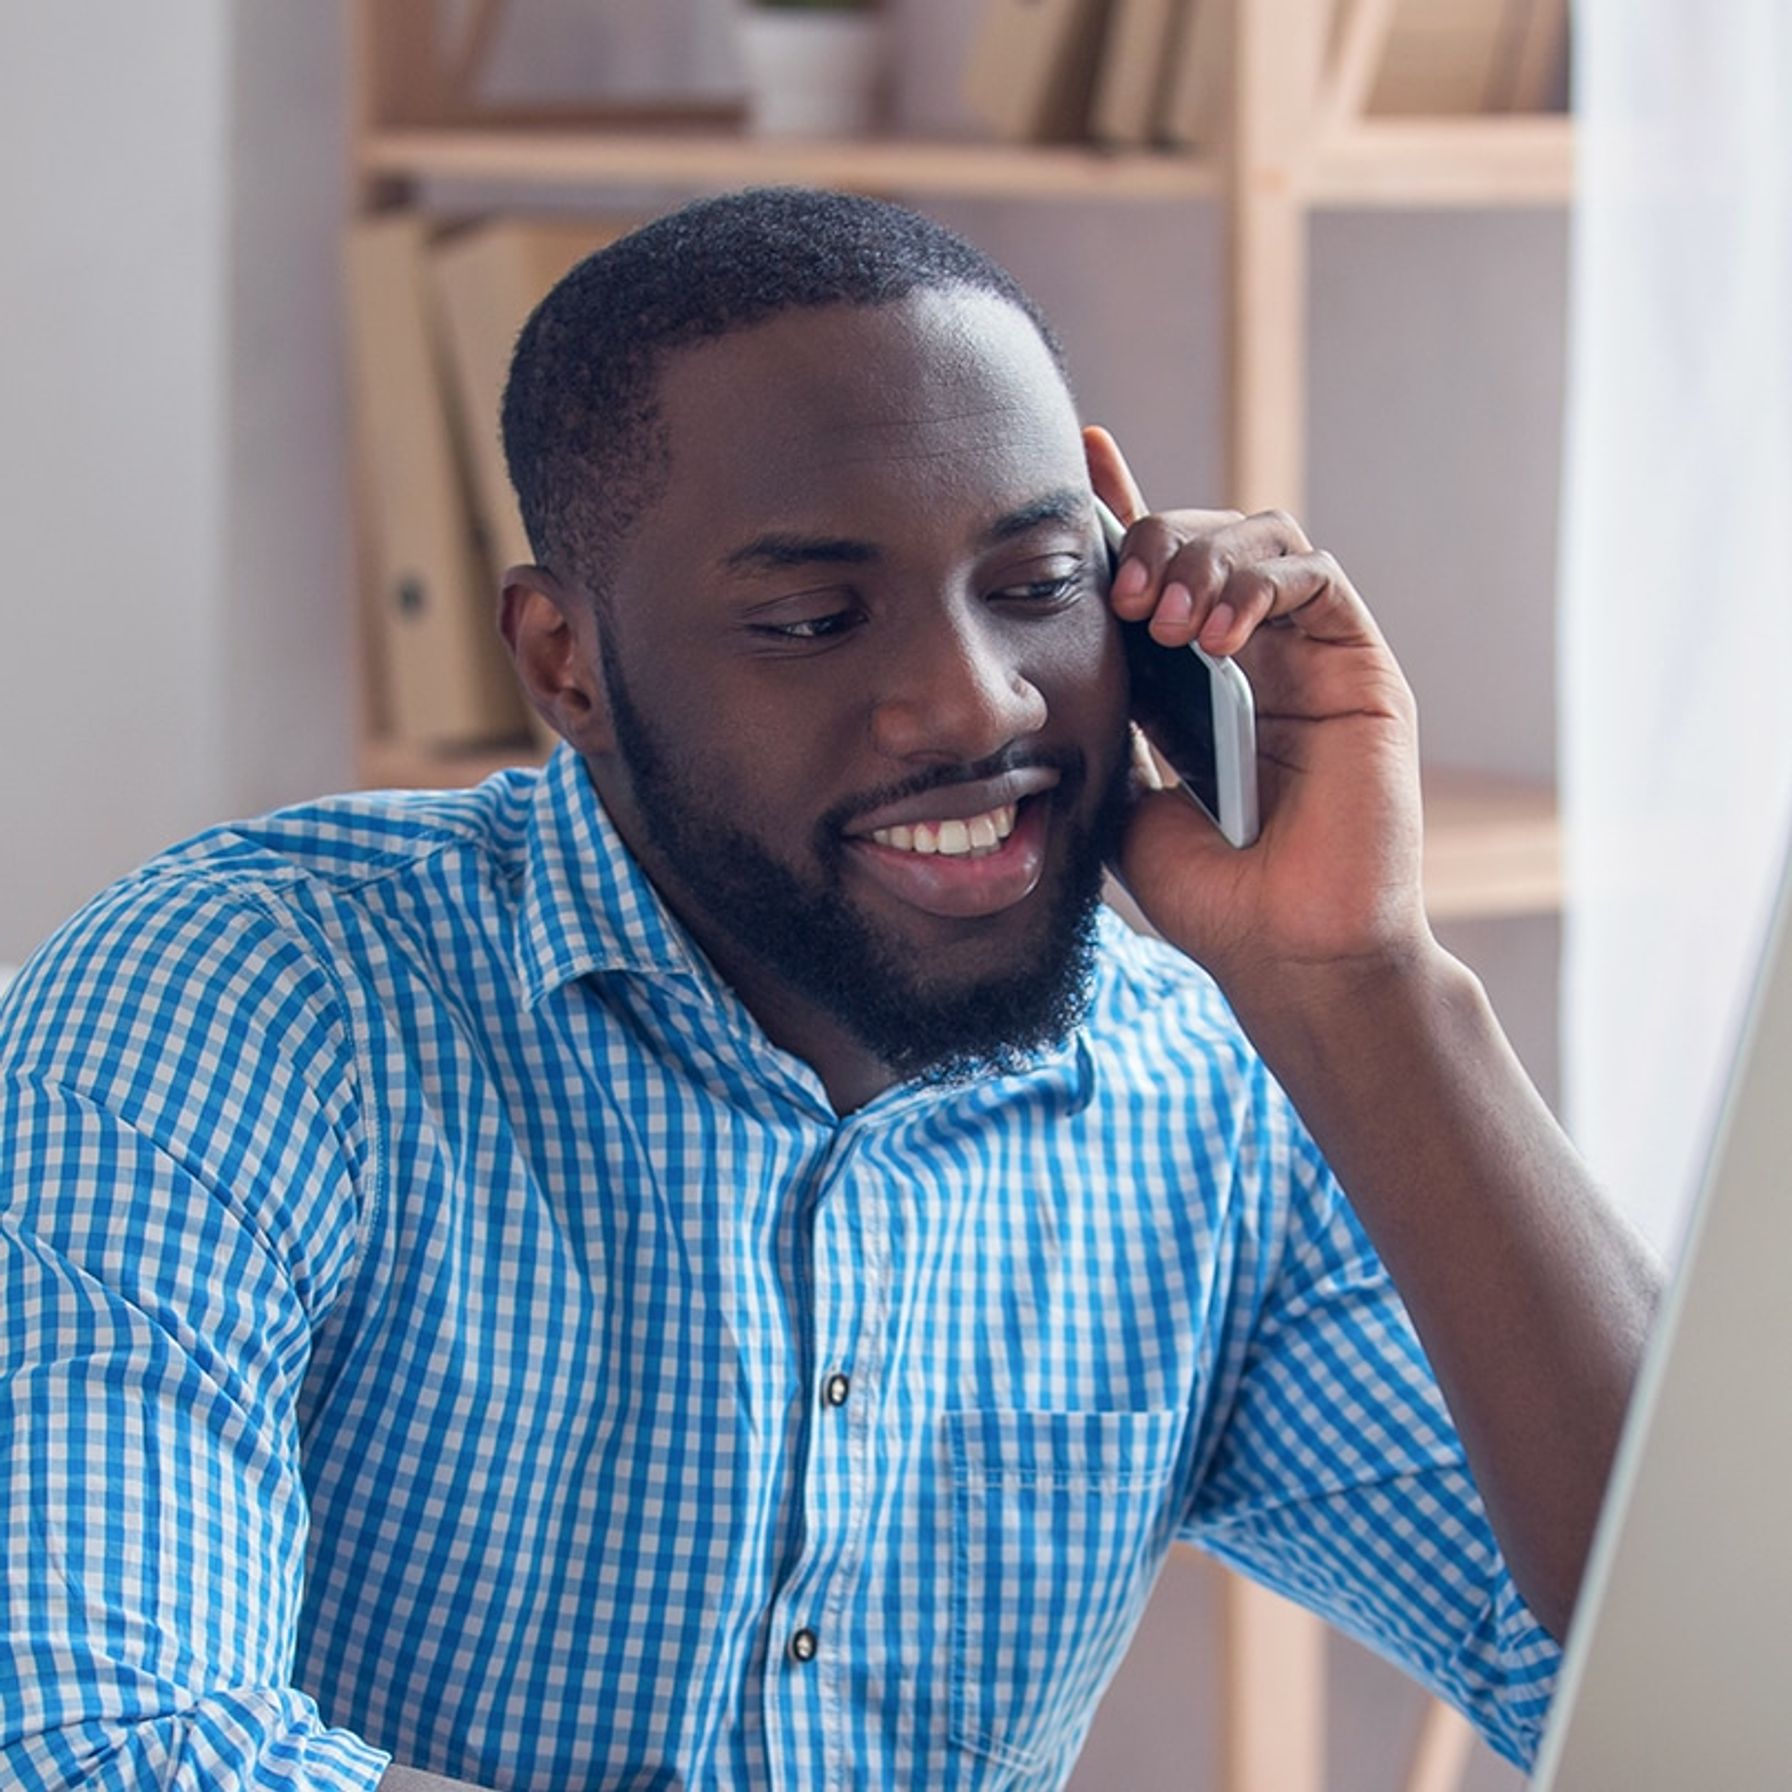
(720, 1263)
(862, 713)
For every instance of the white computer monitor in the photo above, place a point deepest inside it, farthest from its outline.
(1678, 1674)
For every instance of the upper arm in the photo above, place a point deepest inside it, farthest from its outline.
(178, 1205)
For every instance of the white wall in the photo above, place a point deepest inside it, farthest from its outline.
(172, 636)
(112, 176)
(282, 607)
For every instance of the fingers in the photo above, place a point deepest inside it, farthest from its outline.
(1216, 577)
(1157, 559)
(1176, 565)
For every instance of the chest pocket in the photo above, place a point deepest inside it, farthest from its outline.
(1059, 1523)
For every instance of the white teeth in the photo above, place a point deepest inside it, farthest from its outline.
(970, 838)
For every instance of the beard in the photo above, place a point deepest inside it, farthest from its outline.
(809, 934)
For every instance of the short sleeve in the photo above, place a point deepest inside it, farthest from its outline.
(1339, 1481)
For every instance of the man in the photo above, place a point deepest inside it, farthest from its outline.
(718, 1264)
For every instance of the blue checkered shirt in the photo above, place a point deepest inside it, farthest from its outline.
(435, 1320)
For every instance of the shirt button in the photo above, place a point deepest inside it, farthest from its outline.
(838, 1387)
(803, 1645)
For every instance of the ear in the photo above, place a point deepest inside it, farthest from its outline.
(1111, 476)
(552, 633)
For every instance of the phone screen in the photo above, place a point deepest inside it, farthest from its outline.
(1172, 700)
(1196, 712)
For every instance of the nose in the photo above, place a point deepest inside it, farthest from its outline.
(955, 693)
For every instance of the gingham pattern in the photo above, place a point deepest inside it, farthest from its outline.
(420, 1284)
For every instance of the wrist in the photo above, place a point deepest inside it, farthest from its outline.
(1327, 1006)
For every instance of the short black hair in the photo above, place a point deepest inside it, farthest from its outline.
(583, 437)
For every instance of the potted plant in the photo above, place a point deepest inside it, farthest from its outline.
(814, 68)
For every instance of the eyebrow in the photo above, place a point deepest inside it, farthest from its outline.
(1067, 506)
(776, 551)
(773, 552)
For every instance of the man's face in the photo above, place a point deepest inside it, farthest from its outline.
(867, 702)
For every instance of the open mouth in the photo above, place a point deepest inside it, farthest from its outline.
(960, 867)
(973, 837)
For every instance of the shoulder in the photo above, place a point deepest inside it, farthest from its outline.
(235, 939)
(343, 842)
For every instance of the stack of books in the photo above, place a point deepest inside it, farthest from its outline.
(1155, 73)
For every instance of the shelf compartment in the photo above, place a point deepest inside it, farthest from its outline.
(384, 764)
(1493, 847)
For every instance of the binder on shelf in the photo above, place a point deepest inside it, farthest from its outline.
(1539, 59)
(1031, 70)
(1137, 57)
(1197, 101)
(487, 280)
(1449, 57)
(446, 678)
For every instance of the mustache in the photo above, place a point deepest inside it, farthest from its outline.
(1067, 762)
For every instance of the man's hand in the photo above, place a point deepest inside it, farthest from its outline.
(1333, 880)
(1532, 1298)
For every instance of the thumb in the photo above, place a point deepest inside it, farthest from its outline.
(1182, 873)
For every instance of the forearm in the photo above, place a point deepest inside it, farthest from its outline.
(1532, 1297)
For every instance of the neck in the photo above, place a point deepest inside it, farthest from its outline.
(851, 1074)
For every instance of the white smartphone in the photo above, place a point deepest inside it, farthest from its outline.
(1196, 710)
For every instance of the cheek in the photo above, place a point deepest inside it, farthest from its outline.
(754, 764)
(1084, 678)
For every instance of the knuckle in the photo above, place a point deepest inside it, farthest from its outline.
(1202, 562)
(1287, 527)
(1150, 540)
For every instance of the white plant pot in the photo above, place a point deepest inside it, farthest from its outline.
(813, 74)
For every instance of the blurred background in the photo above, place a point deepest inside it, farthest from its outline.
(1501, 313)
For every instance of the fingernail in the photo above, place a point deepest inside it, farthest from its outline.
(1217, 627)
(1143, 763)
(1177, 604)
(1131, 579)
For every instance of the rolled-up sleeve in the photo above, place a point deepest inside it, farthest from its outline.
(1340, 1481)
(183, 1178)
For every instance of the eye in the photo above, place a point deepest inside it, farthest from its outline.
(1052, 593)
(808, 628)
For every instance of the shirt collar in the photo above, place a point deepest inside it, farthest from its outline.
(586, 903)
